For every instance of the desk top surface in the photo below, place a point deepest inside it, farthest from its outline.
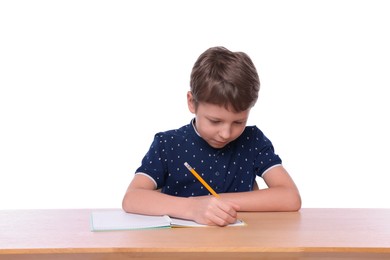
(309, 230)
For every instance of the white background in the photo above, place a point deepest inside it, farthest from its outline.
(84, 85)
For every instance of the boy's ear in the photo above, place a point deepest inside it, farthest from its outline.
(191, 102)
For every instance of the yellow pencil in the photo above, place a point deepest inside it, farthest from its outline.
(201, 180)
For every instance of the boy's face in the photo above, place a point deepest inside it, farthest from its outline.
(217, 125)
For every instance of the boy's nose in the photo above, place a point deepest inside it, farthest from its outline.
(225, 132)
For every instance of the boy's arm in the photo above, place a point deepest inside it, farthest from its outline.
(142, 197)
(281, 194)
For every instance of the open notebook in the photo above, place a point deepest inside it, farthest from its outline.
(117, 219)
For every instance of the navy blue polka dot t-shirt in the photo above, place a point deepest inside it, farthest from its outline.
(232, 168)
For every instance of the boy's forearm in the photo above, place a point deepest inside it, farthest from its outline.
(269, 199)
(150, 202)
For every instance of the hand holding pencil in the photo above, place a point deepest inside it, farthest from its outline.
(214, 211)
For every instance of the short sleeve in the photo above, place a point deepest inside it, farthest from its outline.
(265, 156)
(154, 162)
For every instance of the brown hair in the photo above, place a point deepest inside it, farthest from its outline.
(225, 78)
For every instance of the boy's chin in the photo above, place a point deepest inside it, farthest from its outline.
(217, 145)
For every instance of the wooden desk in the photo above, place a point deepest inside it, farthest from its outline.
(308, 234)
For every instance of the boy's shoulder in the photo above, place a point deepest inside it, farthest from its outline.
(178, 132)
(252, 130)
(253, 133)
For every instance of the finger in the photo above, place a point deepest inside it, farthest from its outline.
(224, 217)
(229, 207)
(225, 220)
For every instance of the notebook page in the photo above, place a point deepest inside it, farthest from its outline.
(106, 220)
(176, 222)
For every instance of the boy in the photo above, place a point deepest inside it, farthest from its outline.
(219, 146)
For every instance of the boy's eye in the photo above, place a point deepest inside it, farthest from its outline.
(217, 122)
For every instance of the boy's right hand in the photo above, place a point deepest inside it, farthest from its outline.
(213, 211)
